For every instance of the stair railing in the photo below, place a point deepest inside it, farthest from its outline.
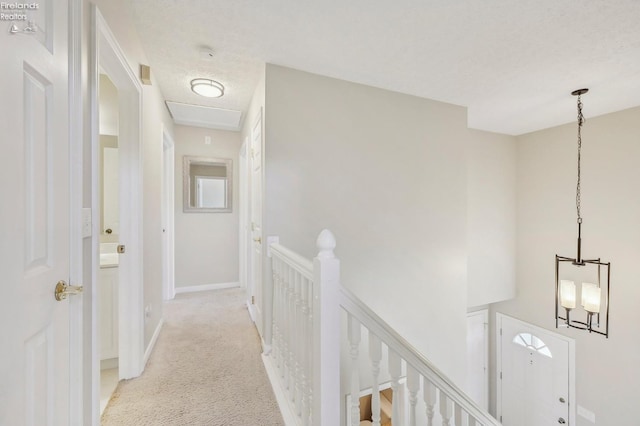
(308, 302)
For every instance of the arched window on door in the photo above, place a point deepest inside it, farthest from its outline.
(533, 343)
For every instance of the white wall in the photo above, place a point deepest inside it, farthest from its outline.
(206, 244)
(386, 172)
(108, 106)
(491, 217)
(608, 376)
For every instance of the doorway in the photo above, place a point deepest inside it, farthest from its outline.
(109, 235)
(107, 58)
(536, 380)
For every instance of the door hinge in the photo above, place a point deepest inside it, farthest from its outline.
(501, 375)
(253, 300)
(501, 332)
(500, 419)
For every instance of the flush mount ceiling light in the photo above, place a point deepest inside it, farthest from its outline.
(594, 295)
(207, 87)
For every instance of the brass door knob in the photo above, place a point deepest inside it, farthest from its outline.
(258, 240)
(63, 290)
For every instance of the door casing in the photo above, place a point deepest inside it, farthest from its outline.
(76, 176)
(106, 55)
(479, 317)
(542, 332)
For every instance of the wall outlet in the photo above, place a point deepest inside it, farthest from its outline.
(589, 415)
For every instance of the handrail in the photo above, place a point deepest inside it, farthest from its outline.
(300, 263)
(412, 356)
(307, 299)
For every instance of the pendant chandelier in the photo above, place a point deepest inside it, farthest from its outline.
(594, 296)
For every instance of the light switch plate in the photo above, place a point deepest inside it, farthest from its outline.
(86, 222)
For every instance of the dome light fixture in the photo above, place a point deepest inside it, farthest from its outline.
(207, 87)
(594, 295)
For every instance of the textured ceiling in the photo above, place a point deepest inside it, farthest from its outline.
(512, 63)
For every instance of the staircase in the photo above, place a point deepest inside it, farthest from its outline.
(315, 321)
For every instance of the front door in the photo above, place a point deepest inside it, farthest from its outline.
(534, 376)
(34, 216)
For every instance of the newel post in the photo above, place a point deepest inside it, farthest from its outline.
(326, 333)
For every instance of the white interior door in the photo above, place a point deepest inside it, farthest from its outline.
(477, 357)
(245, 221)
(534, 376)
(256, 222)
(168, 207)
(35, 213)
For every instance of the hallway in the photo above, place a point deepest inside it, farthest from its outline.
(206, 369)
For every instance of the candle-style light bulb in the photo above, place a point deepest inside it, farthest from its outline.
(567, 294)
(591, 297)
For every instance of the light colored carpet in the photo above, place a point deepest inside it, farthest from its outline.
(205, 369)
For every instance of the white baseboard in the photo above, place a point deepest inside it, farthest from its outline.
(107, 364)
(288, 415)
(206, 287)
(266, 349)
(152, 343)
(251, 310)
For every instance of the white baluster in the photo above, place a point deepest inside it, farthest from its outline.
(304, 362)
(446, 409)
(430, 397)
(310, 361)
(457, 419)
(413, 384)
(292, 334)
(395, 371)
(281, 318)
(285, 324)
(275, 353)
(375, 353)
(299, 342)
(354, 341)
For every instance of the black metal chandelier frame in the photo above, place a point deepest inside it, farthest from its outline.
(592, 323)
